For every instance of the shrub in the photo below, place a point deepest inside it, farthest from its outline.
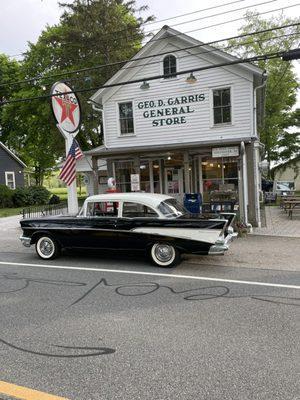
(5, 196)
(33, 195)
(21, 197)
(38, 195)
(54, 199)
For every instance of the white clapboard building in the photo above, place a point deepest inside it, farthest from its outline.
(183, 133)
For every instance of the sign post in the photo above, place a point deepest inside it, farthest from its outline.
(67, 112)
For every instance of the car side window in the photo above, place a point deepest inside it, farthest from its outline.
(133, 210)
(102, 209)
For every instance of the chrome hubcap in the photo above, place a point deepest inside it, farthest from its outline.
(46, 247)
(164, 252)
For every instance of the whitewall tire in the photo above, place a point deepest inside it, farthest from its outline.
(164, 255)
(47, 248)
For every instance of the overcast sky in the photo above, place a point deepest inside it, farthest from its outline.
(23, 20)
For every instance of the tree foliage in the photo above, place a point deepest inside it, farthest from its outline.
(89, 33)
(281, 89)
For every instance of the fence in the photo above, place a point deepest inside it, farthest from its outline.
(46, 210)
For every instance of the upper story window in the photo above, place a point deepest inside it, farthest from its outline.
(126, 118)
(222, 106)
(170, 66)
(10, 180)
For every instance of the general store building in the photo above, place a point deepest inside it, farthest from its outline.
(183, 133)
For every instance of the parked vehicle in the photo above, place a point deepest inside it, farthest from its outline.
(152, 223)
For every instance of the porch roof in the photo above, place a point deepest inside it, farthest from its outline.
(105, 152)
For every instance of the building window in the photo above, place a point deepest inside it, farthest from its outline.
(126, 118)
(170, 67)
(222, 106)
(10, 180)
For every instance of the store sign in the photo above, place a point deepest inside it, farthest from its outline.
(170, 111)
(135, 182)
(225, 151)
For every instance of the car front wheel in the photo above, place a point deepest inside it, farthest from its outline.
(47, 248)
(164, 255)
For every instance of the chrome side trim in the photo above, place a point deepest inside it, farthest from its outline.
(26, 241)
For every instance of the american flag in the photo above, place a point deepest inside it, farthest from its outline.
(68, 172)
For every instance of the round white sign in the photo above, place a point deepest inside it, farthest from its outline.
(66, 107)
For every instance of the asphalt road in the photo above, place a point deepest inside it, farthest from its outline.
(72, 328)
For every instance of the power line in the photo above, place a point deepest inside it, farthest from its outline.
(185, 22)
(261, 57)
(218, 14)
(38, 78)
(193, 12)
(188, 55)
(222, 23)
(163, 20)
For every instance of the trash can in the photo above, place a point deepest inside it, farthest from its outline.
(192, 202)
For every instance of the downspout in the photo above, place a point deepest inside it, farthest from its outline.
(255, 158)
(245, 183)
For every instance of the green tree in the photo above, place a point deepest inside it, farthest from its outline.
(9, 71)
(90, 32)
(282, 85)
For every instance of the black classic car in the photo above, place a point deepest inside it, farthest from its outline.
(152, 223)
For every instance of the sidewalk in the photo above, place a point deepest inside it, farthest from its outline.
(279, 224)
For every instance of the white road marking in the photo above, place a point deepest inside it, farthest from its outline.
(200, 278)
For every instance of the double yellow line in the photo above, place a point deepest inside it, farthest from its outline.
(21, 392)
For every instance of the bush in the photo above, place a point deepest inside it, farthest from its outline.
(54, 199)
(38, 195)
(6, 195)
(21, 197)
(33, 195)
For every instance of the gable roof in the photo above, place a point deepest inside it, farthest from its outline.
(165, 33)
(12, 155)
(292, 163)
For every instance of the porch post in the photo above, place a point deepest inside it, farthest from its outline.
(151, 176)
(186, 163)
(200, 175)
(95, 174)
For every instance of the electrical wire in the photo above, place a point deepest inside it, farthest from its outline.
(188, 55)
(222, 23)
(38, 78)
(261, 57)
(218, 14)
(163, 20)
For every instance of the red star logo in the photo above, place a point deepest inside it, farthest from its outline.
(67, 108)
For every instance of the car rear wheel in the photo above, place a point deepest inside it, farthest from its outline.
(47, 248)
(164, 255)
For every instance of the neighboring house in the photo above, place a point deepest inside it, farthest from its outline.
(11, 168)
(288, 172)
(183, 133)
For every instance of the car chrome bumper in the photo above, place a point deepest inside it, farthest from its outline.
(26, 241)
(222, 245)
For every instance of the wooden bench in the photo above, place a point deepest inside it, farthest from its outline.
(292, 206)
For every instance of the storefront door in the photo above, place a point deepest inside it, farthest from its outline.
(174, 182)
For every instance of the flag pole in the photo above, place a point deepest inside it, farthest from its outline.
(72, 189)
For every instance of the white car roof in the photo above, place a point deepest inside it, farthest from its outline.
(150, 199)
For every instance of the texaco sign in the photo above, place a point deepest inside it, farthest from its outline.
(66, 107)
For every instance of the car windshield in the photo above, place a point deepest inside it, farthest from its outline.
(171, 208)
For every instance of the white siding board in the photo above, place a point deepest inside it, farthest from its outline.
(198, 127)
